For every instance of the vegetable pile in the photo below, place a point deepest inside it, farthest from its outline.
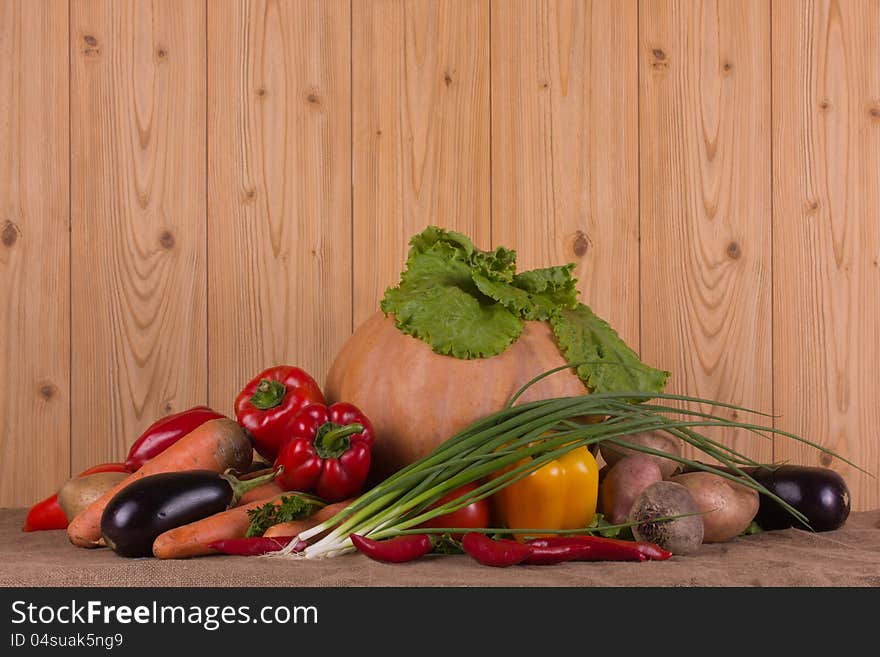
(482, 403)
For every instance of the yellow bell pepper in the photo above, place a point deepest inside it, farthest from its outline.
(560, 495)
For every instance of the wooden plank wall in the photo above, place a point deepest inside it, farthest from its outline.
(191, 191)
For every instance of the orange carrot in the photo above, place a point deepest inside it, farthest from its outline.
(296, 526)
(215, 445)
(260, 493)
(192, 540)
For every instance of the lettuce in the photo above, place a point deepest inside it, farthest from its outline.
(469, 303)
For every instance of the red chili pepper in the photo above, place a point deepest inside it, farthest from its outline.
(501, 552)
(166, 431)
(328, 451)
(270, 401)
(47, 514)
(394, 550)
(254, 547)
(595, 548)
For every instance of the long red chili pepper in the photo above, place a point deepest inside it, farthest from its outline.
(394, 550)
(47, 513)
(500, 553)
(254, 547)
(598, 548)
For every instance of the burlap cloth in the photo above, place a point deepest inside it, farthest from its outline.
(847, 557)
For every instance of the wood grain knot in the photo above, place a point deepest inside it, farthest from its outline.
(91, 48)
(812, 205)
(545, 85)
(166, 239)
(249, 194)
(47, 391)
(261, 92)
(378, 133)
(874, 112)
(447, 79)
(660, 61)
(825, 459)
(824, 105)
(726, 68)
(581, 244)
(313, 99)
(168, 407)
(161, 53)
(733, 251)
(9, 235)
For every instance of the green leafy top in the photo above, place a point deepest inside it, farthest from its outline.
(291, 507)
(469, 303)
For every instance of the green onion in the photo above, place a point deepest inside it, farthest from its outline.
(516, 441)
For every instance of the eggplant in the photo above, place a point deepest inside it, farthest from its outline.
(141, 511)
(820, 494)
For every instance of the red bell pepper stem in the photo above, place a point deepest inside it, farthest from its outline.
(268, 394)
(500, 553)
(597, 548)
(254, 547)
(394, 550)
(331, 440)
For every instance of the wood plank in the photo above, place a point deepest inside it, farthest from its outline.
(565, 145)
(138, 218)
(421, 132)
(280, 188)
(705, 202)
(34, 250)
(826, 147)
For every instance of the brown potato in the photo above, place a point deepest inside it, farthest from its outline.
(78, 493)
(624, 482)
(728, 507)
(653, 439)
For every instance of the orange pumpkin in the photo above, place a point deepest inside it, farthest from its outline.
(416, 398)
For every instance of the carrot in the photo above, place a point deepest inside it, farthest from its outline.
(192, 540)
(260, 493)
(296, 526)
(215, 445)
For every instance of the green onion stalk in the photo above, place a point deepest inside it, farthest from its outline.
(509, 445)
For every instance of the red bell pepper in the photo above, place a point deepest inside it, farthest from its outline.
(166, 431)
(328, 451)
(47, 514)
(268, 404)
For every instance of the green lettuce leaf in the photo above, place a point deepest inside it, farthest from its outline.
(469, 303)
(438, 301)
(549, 289)
(609, 365)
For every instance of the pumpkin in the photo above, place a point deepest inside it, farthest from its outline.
(417, 398)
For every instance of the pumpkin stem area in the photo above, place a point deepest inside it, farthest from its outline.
(332, 440)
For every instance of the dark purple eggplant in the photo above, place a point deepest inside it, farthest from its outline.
(151, 506)
(820, 494)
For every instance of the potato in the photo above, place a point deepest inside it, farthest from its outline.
(662, 500)
(624, 482)
(728, 507)
(78, 493)
(653, 439)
